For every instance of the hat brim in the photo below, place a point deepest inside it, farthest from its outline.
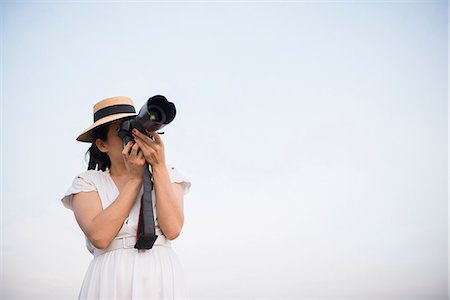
(86, 135)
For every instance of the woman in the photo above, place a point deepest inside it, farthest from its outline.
(106, 203)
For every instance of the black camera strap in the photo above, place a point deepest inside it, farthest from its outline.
(146, 235)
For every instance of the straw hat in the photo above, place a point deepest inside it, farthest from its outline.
(108, 110)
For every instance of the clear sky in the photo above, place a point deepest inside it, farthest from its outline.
(315, 136)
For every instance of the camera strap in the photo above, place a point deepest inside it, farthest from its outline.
(146, 235)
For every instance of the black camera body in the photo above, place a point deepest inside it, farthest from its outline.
(156, 113)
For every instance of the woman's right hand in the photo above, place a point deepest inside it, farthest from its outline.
(135, 161)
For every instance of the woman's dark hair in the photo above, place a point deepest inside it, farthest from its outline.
(96, 157)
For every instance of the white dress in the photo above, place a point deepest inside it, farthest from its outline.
(129, 273)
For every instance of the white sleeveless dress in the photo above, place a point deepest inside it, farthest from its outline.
(129, 273)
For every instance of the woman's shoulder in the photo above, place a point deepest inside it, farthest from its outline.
(173, 171)
(92, 172)
(170, 166)
(92, 175)
(85, 181)
(177, 175)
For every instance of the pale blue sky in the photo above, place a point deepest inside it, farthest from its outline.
(315, 135)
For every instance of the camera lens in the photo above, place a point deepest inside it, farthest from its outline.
(155, 114)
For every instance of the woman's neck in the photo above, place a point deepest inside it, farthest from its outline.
(118, 170)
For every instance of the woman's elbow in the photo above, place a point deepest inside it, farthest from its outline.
(173, 234)
(99, 243)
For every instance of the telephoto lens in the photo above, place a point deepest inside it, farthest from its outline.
(156, 113)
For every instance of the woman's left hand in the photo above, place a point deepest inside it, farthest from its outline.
(153, 150)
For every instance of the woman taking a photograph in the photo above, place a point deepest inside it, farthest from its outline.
(106, 201)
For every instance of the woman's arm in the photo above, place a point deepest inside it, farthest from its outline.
(102, 225)
(169, 206)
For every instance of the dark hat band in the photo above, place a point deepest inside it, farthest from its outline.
(113, 109)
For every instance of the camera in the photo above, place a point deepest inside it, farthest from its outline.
(156, 113)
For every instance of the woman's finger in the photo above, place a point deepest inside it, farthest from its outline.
(147, 146)
(158, 139)
(134, 149)
(137, 133)
(126, 149)
(144, 139)
(142, 147)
